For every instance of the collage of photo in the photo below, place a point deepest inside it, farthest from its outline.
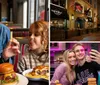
(49, 42)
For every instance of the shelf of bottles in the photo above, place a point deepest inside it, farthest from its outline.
(20, 32)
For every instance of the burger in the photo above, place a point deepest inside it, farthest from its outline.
(40, 70)
(7, 74)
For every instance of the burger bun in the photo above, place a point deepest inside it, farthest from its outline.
(6, 68)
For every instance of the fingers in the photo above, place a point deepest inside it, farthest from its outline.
(94, 54)
(93, 57)
(14, 45)
(12, 42)
(94, 60)
(95, 51)
(15, 42)
(16, 48)
(16, 51)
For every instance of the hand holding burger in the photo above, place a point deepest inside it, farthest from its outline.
(7, 74)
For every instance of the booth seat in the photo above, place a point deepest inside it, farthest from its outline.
(23, 46)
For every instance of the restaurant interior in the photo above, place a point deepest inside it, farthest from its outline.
(18, 15)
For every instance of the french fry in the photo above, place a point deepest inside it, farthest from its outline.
(11, 35)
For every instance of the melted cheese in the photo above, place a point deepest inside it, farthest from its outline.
(7, 75)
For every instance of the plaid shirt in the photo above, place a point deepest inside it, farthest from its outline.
(30, 60)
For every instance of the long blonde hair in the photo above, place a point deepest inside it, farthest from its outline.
(70, 72)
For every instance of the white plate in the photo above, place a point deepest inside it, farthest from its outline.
(27, 71)
(33, 79)
(22, 80)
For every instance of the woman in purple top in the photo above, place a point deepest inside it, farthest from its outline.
(65, 73)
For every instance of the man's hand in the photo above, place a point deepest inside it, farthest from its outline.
(95, 56)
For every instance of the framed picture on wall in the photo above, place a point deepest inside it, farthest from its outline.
(78, 7)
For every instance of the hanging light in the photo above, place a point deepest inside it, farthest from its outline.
(72, 16)
(86, 20)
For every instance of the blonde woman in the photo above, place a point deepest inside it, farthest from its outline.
(64, 73)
